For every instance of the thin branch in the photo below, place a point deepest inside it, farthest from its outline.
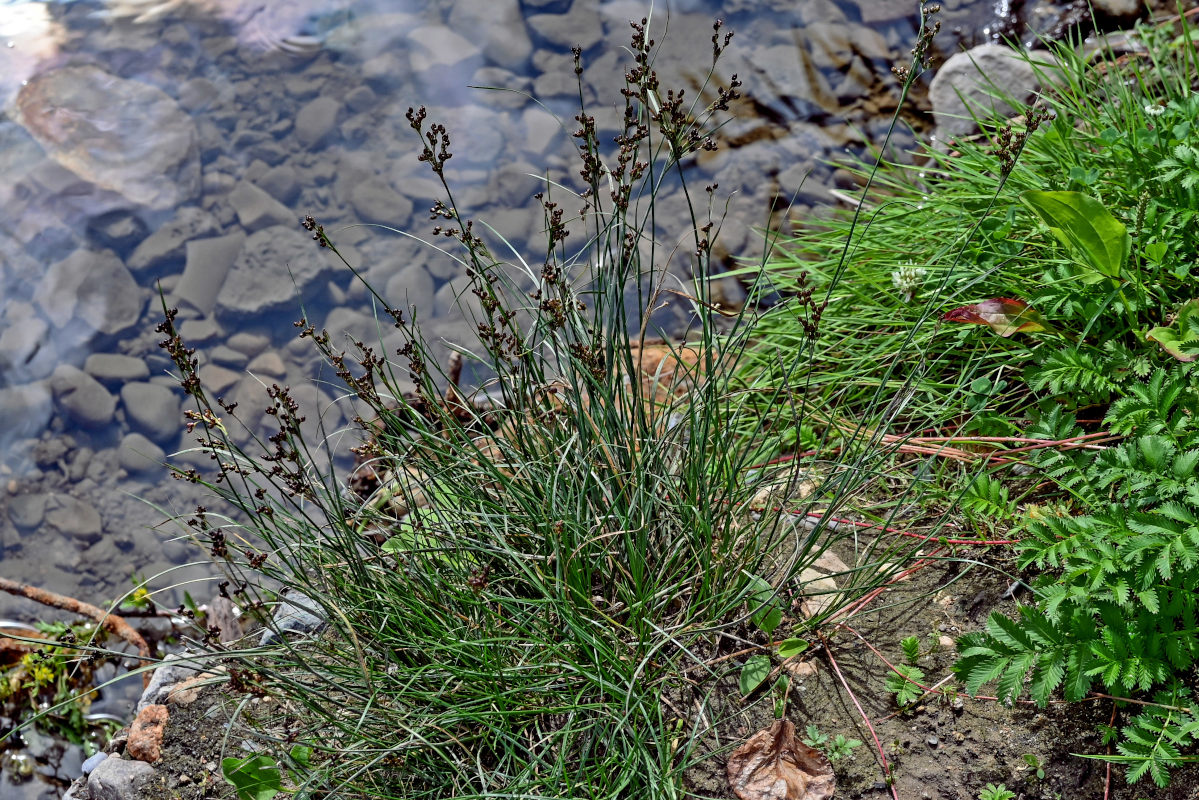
(110, 622)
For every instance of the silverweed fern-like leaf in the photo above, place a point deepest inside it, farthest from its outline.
(1117, 593)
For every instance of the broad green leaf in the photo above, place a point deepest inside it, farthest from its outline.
(301, 754)
(789, 648)
(1082, 224)
(254, 778)
(766, 613)
(754, 673)
(1004, 315)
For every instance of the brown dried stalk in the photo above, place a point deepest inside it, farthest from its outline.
(111, 622)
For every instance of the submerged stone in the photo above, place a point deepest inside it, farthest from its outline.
(121, 135)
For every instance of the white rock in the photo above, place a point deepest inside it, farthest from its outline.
(968, 82)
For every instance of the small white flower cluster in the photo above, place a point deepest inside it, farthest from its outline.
(1154, 110)
(907, 280)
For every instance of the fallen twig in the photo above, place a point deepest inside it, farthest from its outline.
(110, 622)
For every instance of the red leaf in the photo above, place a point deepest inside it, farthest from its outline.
(1004, 315)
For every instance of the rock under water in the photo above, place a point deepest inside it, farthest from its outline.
(124, 136)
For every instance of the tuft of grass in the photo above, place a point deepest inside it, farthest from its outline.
(529, 583)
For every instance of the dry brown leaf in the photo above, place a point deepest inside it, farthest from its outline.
(774, 765)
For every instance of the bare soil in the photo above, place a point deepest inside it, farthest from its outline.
(948, 746)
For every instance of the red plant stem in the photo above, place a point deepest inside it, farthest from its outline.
(922, 445)
(1107, 779)
(857, 606)
(877, 744)
(909, 534)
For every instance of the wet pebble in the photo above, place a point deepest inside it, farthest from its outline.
(272, 265)
(82, 397)
(200, 331)
(216, 379)
(117, 778)
(280, 182)
(375, 201)
(498, 26)
(268, 364)
(27, 510)
(138, 455)
(152, 410)
(315, 120)
(411, 287)
(92, 286)
(93, 762)
(113, 368)
(249, 344)
(223, 354)
(73, 517)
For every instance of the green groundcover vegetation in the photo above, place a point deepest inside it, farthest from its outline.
(528, 584)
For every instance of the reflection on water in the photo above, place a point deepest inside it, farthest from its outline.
(174, 145)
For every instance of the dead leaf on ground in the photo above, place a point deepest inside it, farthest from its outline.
(774, 765)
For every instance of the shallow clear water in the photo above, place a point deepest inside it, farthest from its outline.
(175, 145)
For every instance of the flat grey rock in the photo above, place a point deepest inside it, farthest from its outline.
(152, 410)
(124, 136)
(281, 182)
(269, 364)
(93, 762)
(27, 510)
(315, 119)
(251, 344)
(167, 243)
(581, 26)
(93, 286)
(411, 286)
(82, 397)
(71, 516)
(173, 669)
(118, 779)
(20, 342)
(344, 324)
(115, 368)
(208, 262)
(217, 380)
(26, 410)
(223, 354)
(200, 331)
(436, 47)
(275, 266)
(257, 210)
(361, 99)
(498, 26)
(375, 201)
